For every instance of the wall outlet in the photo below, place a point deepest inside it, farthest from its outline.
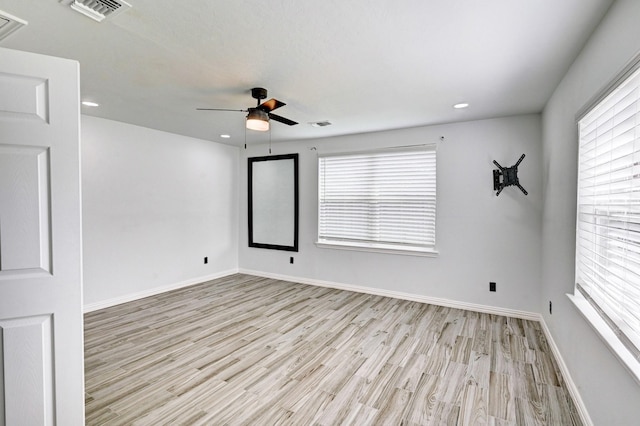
(492, 286)
(206, 260)
(550, 307)
(291, 260)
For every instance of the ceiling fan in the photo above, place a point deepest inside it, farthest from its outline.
(258, 117)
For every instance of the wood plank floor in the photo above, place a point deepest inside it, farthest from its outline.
(245, 350)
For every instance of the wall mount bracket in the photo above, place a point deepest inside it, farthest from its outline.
(509, 177)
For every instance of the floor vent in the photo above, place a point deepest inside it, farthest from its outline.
(98, 10)
(9, 24)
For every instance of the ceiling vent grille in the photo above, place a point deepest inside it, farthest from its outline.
(9, 24)
(320, 123)
(99, 9)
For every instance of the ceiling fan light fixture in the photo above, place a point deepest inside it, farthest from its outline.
(257, 120)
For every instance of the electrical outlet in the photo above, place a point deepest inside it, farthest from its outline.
(492, 286)
(550, 307)
(206, 260)
(291, 260)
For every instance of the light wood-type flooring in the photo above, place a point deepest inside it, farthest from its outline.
(244, 350)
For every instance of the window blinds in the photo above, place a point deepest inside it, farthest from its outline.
(383, 198)
(608, 225)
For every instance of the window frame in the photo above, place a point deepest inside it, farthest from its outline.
(606, 328)
(373, 246)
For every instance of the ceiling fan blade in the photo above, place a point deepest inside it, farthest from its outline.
(282, 119)
(270, 105)
(221, 109)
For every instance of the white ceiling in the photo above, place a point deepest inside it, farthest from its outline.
(364, 65)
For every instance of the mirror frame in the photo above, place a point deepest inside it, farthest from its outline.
(251, 191)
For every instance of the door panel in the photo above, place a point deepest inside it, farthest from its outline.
(41, 343)
(28, 370)
(26, 97)
(25, 219)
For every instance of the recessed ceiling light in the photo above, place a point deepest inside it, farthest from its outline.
(225, 136)
(90, 104)
(461, 105)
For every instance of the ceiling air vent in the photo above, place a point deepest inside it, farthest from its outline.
(98, 9)
(320, 123)
(9, 24)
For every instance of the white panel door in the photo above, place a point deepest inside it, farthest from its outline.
(41, 342)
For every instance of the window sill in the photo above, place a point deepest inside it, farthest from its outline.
(378, 248)
(606, 334)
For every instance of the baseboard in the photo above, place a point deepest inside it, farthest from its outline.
(400, 295)
(571, 386)
(90, 307)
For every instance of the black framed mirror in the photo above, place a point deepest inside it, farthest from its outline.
(273, 202)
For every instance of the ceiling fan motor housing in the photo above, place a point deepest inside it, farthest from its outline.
(257, 114)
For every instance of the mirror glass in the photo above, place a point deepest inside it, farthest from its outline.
(273, 202)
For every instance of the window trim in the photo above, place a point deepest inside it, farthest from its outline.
(632, 66)
(372, 246)
(606, 334)
(378, 248)
(599, 321)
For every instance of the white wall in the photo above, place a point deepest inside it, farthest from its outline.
(154, 205)
(610, 394)
(480, 237)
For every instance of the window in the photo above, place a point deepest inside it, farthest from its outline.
(383, 200)
(608, 222)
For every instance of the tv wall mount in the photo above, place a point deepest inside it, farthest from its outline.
(509, 177)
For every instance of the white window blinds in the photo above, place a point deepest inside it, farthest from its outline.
(608, 226)
(384, 199)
